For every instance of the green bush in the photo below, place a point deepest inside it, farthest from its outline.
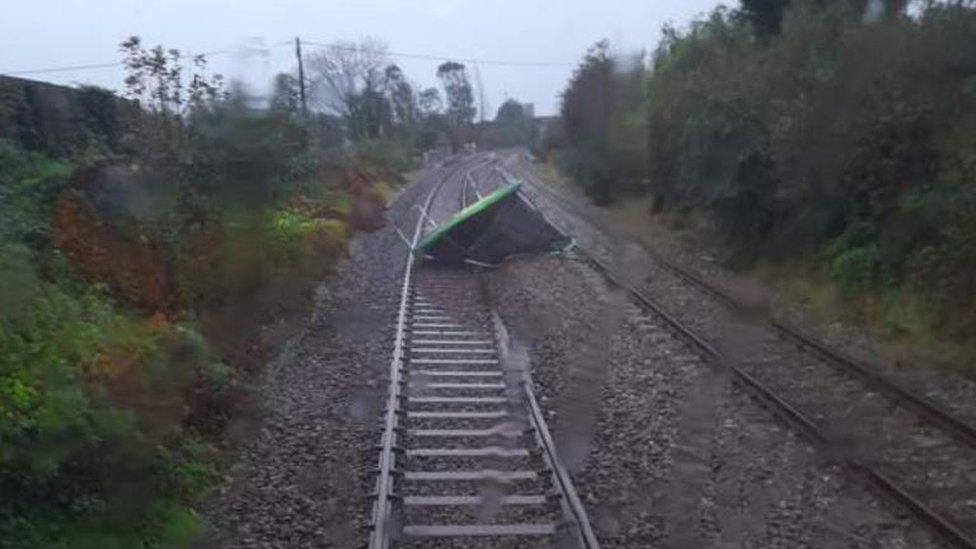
(113, 404)
(603, 124)
(856, 268)
(392, 156)
(90, 393)
(809, 132)
(28, 184)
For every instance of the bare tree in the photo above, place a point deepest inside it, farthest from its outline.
(343, 72)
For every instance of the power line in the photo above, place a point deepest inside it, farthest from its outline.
(64, 69)
(428, 57)
(70, 68)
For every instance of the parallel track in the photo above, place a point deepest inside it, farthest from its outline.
(905, 396)
(466, 457)
(955, 527)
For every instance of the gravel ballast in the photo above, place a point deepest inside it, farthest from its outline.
(305, 479)
(949, 389)
(664, 450)
(926, 461)
(673, 454)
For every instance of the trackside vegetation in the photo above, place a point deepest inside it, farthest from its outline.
(833, 138)
(140, 270)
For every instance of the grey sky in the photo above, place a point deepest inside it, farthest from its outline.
(55, 33)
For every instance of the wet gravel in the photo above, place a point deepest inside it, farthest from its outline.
(674, 455)
(929, 464)
(305, 479)
(954, 391)
(664, 450)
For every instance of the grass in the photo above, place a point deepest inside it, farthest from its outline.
(904, 326)
(115, 411)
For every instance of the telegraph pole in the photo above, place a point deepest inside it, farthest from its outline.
(301, 76)
(481, 92)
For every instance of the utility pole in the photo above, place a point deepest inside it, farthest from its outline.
(481, 92)
(301, 76)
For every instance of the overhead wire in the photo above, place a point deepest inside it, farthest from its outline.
(430, 57)
(406, 55)
(23, 72)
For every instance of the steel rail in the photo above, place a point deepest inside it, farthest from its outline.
(570, 501)
(382, 510)
(468, 181)
(881, 482)
(841, 362)
(386, 528)
(572, 505)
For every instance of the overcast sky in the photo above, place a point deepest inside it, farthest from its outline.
(36, 34)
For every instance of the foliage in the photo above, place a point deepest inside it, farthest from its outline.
(136, 290)
(430, 102)
(101, 116)
(86, 388)
(765, 16)
(602, 124)
(513, 125)
(154, 77)
(393, 157)
(349, 80)
(401, 96)
(285, 95)
(356, 82)
(432, 126)
(839, 132)
(457, 88)
(157, 81)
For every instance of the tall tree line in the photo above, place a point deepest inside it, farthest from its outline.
(357, 84)
(838, 132)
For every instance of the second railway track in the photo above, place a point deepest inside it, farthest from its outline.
(454, 389)
(909, 449)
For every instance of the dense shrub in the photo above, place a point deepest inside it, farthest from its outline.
(604, 130)
(133, 312)
(813, 130)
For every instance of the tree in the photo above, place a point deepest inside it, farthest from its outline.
(604, 123)
(587, 99)
(400, 95)
(155, 79)
(765, 16)
(457, 88)
(513, 125)
(429, 102)
(347, 79)
(371, 116)
(285, 96)
(432, 125)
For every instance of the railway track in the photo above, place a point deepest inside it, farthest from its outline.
(466, 458)
(917, 453)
